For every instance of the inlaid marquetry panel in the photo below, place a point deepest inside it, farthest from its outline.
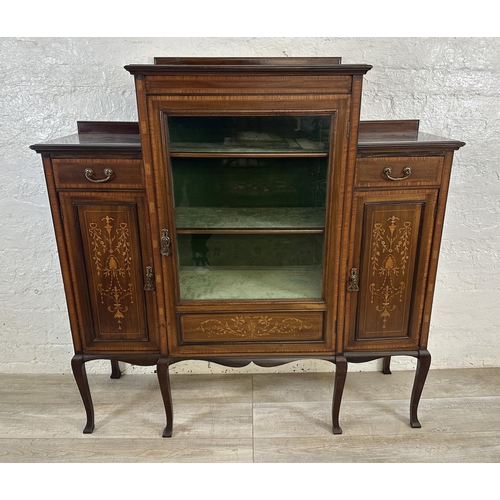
(108, 266)
(114, 277)
(388, 269)
(251, 327)
(391, 259)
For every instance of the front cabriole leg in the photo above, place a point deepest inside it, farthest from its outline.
(80, 374)
(164, 381)
(423, 364)
(340, 376)
(115, 369)
(386, 365)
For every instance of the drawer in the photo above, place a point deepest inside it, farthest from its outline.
(251, 327)
(415, 171)
(98, 173)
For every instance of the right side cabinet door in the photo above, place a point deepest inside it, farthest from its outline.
(388, 268)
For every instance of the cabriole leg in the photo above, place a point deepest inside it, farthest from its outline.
(340, 376)
(115, 369)
(423, 364)
(386, 365)
(80, 374)
(164, 380)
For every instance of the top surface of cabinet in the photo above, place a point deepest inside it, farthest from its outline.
(386, 135)
(247, 76)
(166, 65)
(398, 135)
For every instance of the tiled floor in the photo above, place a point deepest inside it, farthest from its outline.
(253, 418)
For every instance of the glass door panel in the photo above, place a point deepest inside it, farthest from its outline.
(244, 134)
(250, 266)
(249, 192)
(250, 201)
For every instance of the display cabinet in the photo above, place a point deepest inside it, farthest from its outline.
(248, 216)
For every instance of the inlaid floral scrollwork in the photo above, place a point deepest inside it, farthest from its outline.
(389, 260)
(113, 263)
(253, 327)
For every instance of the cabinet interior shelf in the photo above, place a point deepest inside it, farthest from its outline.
(260, 219)
(249, 231)
(223, 283)
(215, 149)
(225, 153)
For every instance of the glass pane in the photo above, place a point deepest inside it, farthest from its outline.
(250, 266)
(249, 133)
(250, 198)
(249, 192)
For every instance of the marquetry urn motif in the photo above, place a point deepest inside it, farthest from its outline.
(389, 258)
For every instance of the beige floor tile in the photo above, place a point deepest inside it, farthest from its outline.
(217, 388)
(208, 420)
(282, 387)
(26, 388)
(419, 448)
(230, 420)
(382, 417)
(364, 386)
(107, 450)
(25, 420)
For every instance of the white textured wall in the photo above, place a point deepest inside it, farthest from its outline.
(451, 85)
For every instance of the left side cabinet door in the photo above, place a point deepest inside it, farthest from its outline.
(112, 272)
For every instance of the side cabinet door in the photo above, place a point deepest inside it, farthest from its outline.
(111, 266)
(386, 279)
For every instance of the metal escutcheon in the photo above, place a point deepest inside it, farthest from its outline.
(353, 280)
(165, 243)
(150, 280)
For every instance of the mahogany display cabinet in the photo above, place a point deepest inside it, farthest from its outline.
(249, 216)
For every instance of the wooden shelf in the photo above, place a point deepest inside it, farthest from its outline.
(290, 218)
(233, 283)
(247, 148)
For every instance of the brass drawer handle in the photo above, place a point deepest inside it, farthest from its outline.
(89, 173)
(406, 173)
(150, 280)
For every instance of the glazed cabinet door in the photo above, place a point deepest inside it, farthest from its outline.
(112, 272)
(386, 279)
(250, 214)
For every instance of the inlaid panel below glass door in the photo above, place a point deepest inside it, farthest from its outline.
(250, 266)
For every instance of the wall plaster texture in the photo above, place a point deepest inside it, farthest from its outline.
(451, 85)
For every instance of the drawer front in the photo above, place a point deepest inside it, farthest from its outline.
(251, 327)
(398, 171)
(98, 173)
